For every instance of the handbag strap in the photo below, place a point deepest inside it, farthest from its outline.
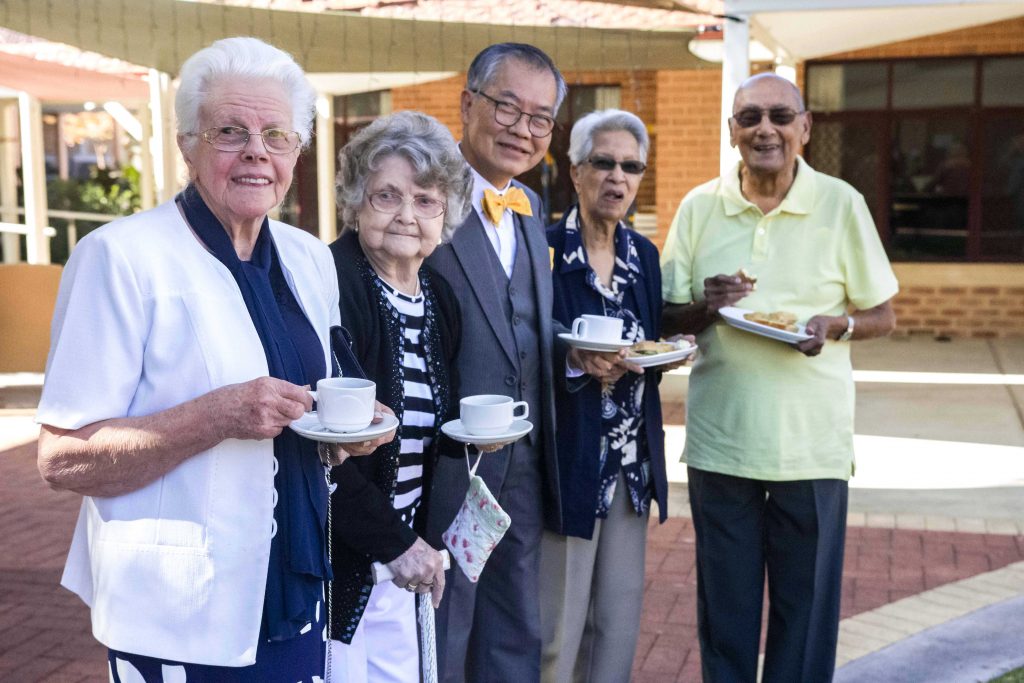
(472, 468)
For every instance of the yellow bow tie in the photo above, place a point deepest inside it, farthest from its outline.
(515, 199)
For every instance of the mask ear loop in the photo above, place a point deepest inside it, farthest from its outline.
(472, 469)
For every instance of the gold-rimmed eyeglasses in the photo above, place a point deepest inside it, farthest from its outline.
(235, 138)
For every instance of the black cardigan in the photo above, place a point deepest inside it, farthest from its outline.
(364, 524)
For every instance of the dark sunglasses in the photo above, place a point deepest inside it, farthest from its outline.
(779, 116)
(609, 164)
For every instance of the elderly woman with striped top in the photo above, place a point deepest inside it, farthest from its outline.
(403, 187)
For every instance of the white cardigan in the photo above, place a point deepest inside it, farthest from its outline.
(147, 319)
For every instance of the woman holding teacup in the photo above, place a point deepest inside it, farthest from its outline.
(184, 340)
(403, 187)
(610, 437)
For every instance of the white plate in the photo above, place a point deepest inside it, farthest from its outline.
(455, 430)
(309, 426)
(734, 317)
(590, 345)
(683, 349)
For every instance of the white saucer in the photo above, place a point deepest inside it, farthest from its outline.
(455, 430)
(309, 426)
(593, 345)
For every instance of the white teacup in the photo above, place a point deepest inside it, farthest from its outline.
(345, 404)
(597, 328)
(490, 414)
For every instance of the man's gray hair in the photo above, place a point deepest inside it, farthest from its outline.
(581, 140)
(486, 64)
(428, 147)
(242, 58)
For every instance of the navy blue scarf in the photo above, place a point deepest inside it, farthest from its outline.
(298, 562)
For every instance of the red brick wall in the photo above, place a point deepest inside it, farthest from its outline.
(960, 300)
(440, 99)
(687, 124)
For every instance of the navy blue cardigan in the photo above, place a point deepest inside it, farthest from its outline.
(579, 408)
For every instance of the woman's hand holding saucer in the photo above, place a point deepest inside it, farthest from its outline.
(371, 445)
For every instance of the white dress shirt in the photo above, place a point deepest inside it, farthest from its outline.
(503, 235)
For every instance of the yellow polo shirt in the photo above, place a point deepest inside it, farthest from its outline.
(758, 408)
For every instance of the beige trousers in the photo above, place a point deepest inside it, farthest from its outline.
(592, 597)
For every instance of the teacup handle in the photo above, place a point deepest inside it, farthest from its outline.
(579, 327)
(313, 394)
(526, 410)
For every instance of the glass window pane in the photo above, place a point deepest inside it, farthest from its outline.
(846, 87)
(1001, 82)
(931, 171)
(849, 150)
(1002, 206)
(933, 83)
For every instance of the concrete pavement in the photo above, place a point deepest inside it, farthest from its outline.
(935, 538)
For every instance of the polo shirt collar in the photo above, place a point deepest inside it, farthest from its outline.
(799, 199)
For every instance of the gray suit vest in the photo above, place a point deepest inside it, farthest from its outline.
(519, 304)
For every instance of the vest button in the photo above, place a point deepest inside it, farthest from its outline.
(516, 320)
(510, 380)
(511, 291)
(522, 354)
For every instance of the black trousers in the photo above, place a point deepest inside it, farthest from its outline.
(791, 531)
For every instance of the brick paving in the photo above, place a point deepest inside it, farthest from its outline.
(45, 633)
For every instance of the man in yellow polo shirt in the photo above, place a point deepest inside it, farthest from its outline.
(769, 426)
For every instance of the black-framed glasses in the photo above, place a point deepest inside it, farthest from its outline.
(423, 206)
(235, 138)
(630, 166)
(752, 116)
(508, 114)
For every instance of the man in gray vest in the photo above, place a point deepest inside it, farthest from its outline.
(498, 263)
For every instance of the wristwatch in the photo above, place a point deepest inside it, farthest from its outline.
(847, 334)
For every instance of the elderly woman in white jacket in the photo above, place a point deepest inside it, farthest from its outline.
(183, 342)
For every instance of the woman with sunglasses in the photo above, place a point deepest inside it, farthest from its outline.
(403, 188)
(610, 438)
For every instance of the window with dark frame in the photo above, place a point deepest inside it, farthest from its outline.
(935, 145)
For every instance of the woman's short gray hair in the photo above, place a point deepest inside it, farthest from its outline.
(581, 140)
(428, 147)
(238, 58)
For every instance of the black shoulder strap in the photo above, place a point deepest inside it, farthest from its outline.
(345, 361)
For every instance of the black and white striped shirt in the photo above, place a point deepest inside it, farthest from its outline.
(418, 415)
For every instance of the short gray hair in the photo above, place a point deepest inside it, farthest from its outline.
(428, 147)
(486, 64)
(240, 57)
(581, 140)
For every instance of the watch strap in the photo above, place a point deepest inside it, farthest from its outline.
(848, 332)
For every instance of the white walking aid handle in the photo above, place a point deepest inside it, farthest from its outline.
(382, 573)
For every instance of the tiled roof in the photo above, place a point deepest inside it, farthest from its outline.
(520, 12)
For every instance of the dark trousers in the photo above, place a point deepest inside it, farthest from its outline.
(489, 631)
(794, 532)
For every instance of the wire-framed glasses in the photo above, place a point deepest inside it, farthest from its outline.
(423, 206)
(235, 138)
